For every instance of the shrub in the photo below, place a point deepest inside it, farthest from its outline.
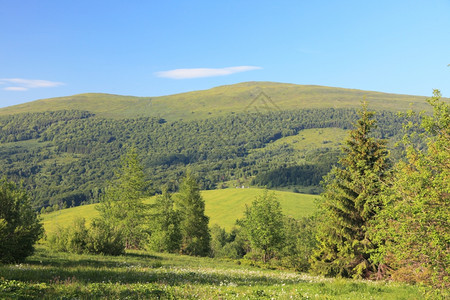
(19, 226)
(101, 238)
(105, 238)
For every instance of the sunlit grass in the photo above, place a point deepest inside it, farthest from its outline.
(222, 206)
(141, 275)
(221, 100)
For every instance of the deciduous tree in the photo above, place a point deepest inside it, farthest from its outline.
(263, 225)
(20, 228)
(414, 225)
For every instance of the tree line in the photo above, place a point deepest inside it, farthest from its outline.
(65, 158)
(378, 218)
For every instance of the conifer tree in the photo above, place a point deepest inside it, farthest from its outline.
(194, 224)
(122, 204)
(165, 225)
(351, 200)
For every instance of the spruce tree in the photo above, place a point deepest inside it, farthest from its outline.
(194, 224)
(351, 200)
(122, 205)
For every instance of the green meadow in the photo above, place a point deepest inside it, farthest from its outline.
(222, 100)
(143, 275)
(223, 207)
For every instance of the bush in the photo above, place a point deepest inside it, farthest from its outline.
(226, 245)
(101, 238)
(105, 238)
(300, 243)
(19, 226)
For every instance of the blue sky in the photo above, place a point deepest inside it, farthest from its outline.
(151, 48)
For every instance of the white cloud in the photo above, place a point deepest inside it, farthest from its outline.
(15, 88)
(204, 72)
(20, 84)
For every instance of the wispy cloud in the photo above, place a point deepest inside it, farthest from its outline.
(20, 84)
(204, 72)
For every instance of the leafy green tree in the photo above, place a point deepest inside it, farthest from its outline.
(20, 228)
(414, 225)
(351, 200)
(122, 204)
(194, 224)
(263, 225)
(165, 225)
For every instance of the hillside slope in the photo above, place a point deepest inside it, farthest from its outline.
(222, 206)
(236, 98)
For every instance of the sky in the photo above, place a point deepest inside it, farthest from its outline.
(153, 48)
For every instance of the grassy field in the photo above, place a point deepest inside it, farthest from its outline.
(222, 206)
(141, 275)
(237, 98)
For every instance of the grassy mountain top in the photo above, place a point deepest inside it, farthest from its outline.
(236, 98)
(222, 206)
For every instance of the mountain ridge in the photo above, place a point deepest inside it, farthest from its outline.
(221, 100)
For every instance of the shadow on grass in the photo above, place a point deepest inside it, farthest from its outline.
(55, 259)
(62, 268)
(128, 275)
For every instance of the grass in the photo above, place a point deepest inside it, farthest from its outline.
(222, 206)
(305, 142)
(141, 275)
(223, 100)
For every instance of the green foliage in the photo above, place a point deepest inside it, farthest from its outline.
(99, 238)
(105, 238)
(20, 228)
(414, 225)
(71, 161)
(227, 245)
(164, 223)
(300, 243)
(194, 224)
(72, 238)
(122, 204)
(351, 200)
(263, 225)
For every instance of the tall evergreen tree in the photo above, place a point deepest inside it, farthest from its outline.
(122, 204)
(351, 200)
(194, 224)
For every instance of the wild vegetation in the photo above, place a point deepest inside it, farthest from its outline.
(380, 217)
(143, 275)
(68, 162)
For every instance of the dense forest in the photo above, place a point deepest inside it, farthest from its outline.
(66, 157)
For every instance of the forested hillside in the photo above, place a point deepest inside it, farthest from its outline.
(66, 157)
